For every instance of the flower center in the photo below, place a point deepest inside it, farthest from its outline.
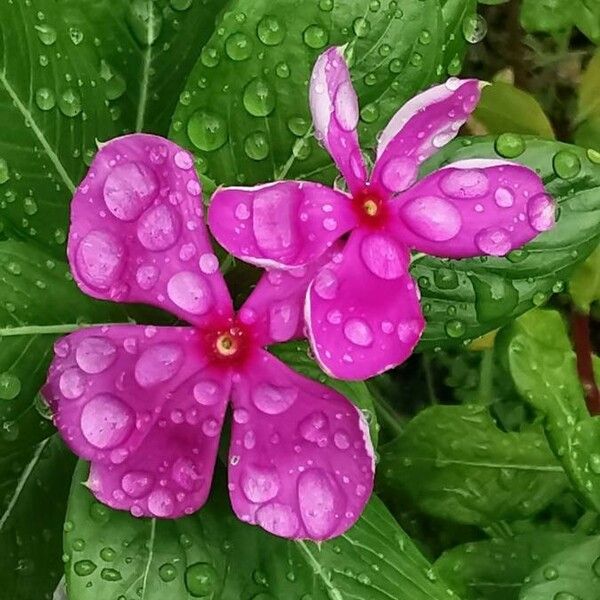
(228, 342)
(370, 208)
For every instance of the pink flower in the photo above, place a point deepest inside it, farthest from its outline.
(362, 309)
(146, 404)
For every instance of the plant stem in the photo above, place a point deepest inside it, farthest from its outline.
(486, 377)
(580, 323)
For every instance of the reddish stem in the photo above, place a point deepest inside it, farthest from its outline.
(585, 367)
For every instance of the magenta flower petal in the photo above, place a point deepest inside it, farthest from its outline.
(284, 224)
(133, 399)
(472, 208)
(362, 310)
(137, 233)
(419, 129)
(276, 305)
(335, 113)
(301, 461)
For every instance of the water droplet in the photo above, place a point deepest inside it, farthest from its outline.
(474, 27)
(593, 156)
(256, 146)
(158, 363)
(361, 27)
(181, 5)
(207, 130)
(238, 46)
(317, 498)
(70, 102)
(326, 5)
(494, 298)
(259, 484)
(271, 31)
(358, 332)
(83, 568)
(145, 20)
(455, 328)
(315, 37)
(30, 206)
(129, 189)
(201, 579)
(190, 292)
(272, 399)
(167, 572)
(550, 573)
(44, 98)
(465, 183)
(110, 574)
(106, 421)
(432, 218)
(4, 171)
(10, 386)
(445, 279)
(46, 34)
(76, 35)
(494, 241)
(137, 484)
(72, 383)
(509, 145)
(95, 354)
(369, 113)
(282, 70)
(566, 164)
(158, 228)
(210, 57)
(298, 126)
(259, 98)
(326, 284)
(539, 298)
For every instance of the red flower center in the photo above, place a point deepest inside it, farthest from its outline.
(229, 343)
(371, 208)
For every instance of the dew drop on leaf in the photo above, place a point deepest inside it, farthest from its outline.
(271, 31)
(84, 567)
(45, 99)
(238, 46)
(474, 28)
(46, 34)
(256, 146)
(509, 145)
(207, 130)
(566, 164)
(167, 572)
(10, 386)
(315, 37)
(4, 171)
(259, 98)
(70, 103)
(180, 4)
(201, 579)
(145, 21)
(455, 328)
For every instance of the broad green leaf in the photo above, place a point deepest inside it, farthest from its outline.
(38, 302)
(505, 108)
(297, 355)
(543, 366)
(212, 554)
(496, 569)
(455, 464)
(462, 24)
(573, 574)
(245, 108)
(584, 286)
(464, 299)
(34, 486)
(76, 71)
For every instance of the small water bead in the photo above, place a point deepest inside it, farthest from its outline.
(565, 596)
(45, 99)
(278, 519)
(455, 328)
(566, 164)
(46, 34)
(159, 227)
(361, 27)
(550, 573)
(110, 574)
(210, 57)
(72, 383)
(106, 421)
(145, 21)
(256, 146)
(509, 145)
(238, 46)
(167, 572)
(425, 37)
(137, 484)
(326, 5)
(369, 113)
(272, 399)
(30, 206)
(206, 392)
(259, 484)
(326, 284)
(474, 28)
(541, 212)
(454, 66)
(504, 198)
(315, 37)
(83, 568)
(358, 332)
(299, 126)
(10, 386)
(158, 363)
(259, 97)
(539, 298)
(161, 503)
(207, 130)
(282, 70)
(271, 31)
(317, 502)
(432, 218)
(180, 5)
(465, 183)
(129, 189)
(75, 35)
(70, 102)
(95, 354)
(494, 241)
(593, 156)
(201, 580)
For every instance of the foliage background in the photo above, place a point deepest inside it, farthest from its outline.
(489, 447)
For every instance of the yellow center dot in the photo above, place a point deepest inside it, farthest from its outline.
(226, 345)
(370, 207)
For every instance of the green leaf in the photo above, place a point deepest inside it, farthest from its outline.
(455, 464)
(496, 569)
(584, 286)
(245, 112)
(588, 104)
(460, 16)
(72, 72)
(505, 108)
(34, 488)
(297, 355)
(38, 302)
(464, 299)
(568, 575)
(212, 554)
(543, 366)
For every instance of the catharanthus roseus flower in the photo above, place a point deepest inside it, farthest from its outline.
(146, 404)
(362, 309)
